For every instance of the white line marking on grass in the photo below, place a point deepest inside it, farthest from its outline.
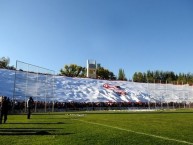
(141, 133)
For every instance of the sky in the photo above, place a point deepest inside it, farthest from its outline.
(134, 35)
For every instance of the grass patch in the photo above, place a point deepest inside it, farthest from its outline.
(100, 128)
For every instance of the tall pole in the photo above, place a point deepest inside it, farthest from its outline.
(154, 93)
(53, 91)
(173, 93)
(167, 93)
(148, 92)
(188, 90)
(37, 86)
(14, 85)
(26, 88)
(46, 92)
(161, 96)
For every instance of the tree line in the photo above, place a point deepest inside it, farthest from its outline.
(74, 70)
(163, 77)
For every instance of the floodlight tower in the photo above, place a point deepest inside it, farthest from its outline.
(91, 69)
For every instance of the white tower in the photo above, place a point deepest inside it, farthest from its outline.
(91, 69)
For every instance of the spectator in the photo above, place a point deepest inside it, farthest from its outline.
(5, 106)
(30, 102)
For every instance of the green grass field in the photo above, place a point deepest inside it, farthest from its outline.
(100, 128)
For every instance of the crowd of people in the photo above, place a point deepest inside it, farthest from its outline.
(7, 106)
(41, 106)
(10, 106)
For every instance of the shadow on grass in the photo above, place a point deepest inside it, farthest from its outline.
(38, 123)
(30, 128)
(24, 130)
(31, 131)
(53, 118)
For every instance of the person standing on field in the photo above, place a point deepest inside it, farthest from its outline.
(30, 103)
(5, 106)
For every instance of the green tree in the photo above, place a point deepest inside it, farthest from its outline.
(83, 72)
(4, 62)
(135, 77)
(139, 77)
(104, 73)
(167, 76)
(72, 70)
(112, 76)
(121, 75)
(190, 78)
(149, 75)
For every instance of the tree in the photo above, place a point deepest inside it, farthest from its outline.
(149, 75)
(135, 77)
(102, 73)
(121, 75)
(4, 62)
(83, 72)
(182, 78)
(72, 70)
(190, 78)
(105, 74)
(164, 77)
(112, 76)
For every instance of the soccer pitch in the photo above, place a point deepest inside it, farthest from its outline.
(100, 128)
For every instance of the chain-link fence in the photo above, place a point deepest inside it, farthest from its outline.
(33, 81)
